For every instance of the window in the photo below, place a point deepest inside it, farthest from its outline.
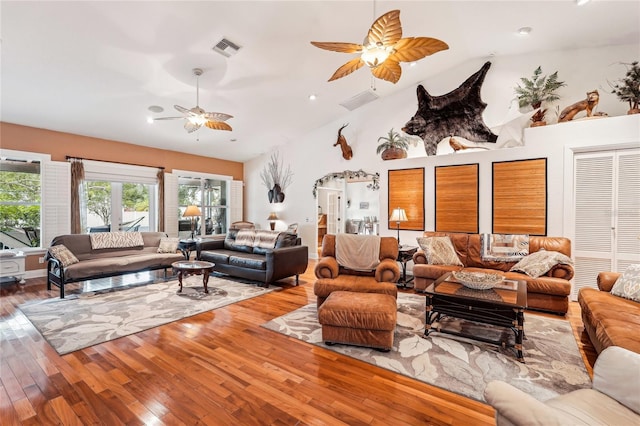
(210, 195)
(20, 203)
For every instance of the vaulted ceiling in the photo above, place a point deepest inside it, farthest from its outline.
(94, 68)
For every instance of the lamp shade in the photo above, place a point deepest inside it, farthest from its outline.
(272, 216)
(398, 215)
(192, 211)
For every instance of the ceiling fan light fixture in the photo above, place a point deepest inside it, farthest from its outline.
(375, 54)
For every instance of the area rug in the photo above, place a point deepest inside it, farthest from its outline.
(91, 318)
(552, 365)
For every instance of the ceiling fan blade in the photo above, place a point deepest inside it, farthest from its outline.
(191, 127)
(389, 70)
(217, 116)
(338, 47)
(348, 68)
(183, 110)
(168, 118)
(386, 29)
(415, 48)
(217, 125)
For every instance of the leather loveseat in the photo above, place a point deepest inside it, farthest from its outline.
(266, 256)
(609, 320)
(549, 292)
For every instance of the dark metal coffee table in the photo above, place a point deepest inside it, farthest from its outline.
(194, 267)
(502, 306)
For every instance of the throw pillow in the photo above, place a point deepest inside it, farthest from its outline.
(168, 245)
(63, 254)
(539, 263)
(628, 284)
(439, 250)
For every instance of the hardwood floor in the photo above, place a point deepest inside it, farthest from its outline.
(217, 368)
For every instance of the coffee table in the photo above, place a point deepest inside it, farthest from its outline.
(193, 267)
(502, 306)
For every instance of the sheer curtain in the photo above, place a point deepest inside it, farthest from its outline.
(77, 187)
(160, 200)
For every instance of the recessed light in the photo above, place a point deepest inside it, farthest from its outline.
(155, 108)
(233, 140)
(582, 2)
(413, 64)
(312, 97)
(524, 30)
(150, 120)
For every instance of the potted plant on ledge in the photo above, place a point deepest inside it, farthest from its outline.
(537, 90)
(394, 146)
(627, 89)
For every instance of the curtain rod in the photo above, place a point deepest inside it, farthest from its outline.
(69, 157)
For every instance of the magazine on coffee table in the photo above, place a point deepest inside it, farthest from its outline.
(507, 285)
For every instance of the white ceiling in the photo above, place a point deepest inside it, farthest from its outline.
(93, 68)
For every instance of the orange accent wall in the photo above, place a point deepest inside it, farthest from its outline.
(59, 145)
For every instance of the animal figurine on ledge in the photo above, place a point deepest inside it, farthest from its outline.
(587, 105)
(347, 152)
(457, 146)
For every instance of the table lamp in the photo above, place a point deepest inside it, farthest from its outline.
(272, 220)
(398, 215)
(192, 212)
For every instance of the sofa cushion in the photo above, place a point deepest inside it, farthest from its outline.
(439, 250)
(63, 254)
(540, 262)
(286, 239)
(219, 257)
(249, 261)
(542, 284)
(106, 240)
(122, 264)
(628, 284)
(168, 245)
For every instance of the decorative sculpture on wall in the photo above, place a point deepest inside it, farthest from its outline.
(276, 178)
(458, 113)
(587, 105)
(347, 152)
(348, 174)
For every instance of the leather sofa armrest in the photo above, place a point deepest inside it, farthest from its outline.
(327, 267)
(420, 257)
(388, 271)
(563, 271)
(208, 245)
(607, 279)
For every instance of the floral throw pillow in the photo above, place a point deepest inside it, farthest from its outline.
(439, 250)
(168, 245)
(539, 263)
(628, 284)
(63, 254)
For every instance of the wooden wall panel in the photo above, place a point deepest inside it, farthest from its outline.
(520, 197)
(456, 204)
(406, 190)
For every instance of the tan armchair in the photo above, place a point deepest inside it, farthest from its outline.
(614, 398)
(331, 276)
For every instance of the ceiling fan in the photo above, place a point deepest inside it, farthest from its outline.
(196, 117)
(383, 49)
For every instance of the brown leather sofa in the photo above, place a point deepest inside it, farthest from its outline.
(334, 277)
(609, 320)
(549, 292)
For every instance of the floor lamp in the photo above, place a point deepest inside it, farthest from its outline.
(192, 212)
(398, 215)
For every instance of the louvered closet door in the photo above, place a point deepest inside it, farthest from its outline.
(607, 214)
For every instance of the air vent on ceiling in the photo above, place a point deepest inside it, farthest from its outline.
(226, 48)
(360, 99)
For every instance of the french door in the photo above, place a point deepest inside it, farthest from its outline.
(607, 213)
(119, 206)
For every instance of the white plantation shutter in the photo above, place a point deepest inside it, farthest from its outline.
(56, 200)
(171, 204)
(607, 214)
(236, 203)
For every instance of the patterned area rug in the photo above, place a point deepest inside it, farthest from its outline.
(90, 318)
(552, 365)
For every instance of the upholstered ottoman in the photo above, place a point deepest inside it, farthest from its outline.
(361, 319)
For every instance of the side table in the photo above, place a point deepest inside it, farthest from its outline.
(405, 254)
(187, 246)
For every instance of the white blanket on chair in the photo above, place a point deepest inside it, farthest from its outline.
(358, 252)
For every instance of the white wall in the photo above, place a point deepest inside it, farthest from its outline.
(313, 156)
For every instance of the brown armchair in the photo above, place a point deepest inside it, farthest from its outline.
(331, 276)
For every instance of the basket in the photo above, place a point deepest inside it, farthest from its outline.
(478, 280)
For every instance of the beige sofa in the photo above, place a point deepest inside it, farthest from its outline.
(609, 320)
(107, 262)
(549, 292)
(614, 398)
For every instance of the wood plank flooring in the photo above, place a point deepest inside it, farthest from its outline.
(216, 368)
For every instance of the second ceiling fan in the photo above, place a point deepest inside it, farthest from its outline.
(197, 117)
